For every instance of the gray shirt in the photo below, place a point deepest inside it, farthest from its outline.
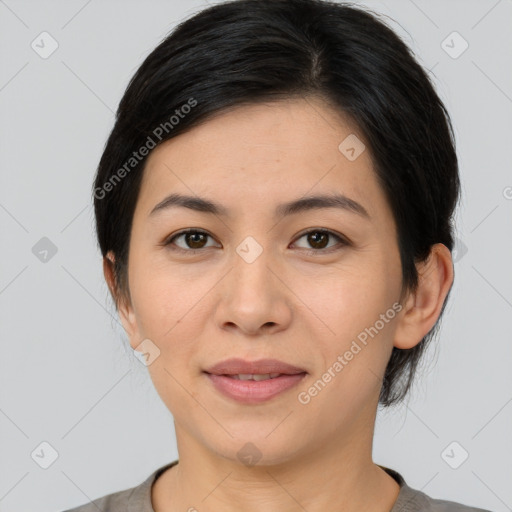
(138, 498)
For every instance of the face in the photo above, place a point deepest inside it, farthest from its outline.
(309, 287)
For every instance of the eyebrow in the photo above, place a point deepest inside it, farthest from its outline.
(318, 202)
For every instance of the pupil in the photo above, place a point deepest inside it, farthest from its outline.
(314, 236)
(193, 235)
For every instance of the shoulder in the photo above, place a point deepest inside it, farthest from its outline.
(134, 499)
(427, 504)
(114, 502)
(413, 500)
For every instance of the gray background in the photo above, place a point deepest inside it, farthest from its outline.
(66, 376)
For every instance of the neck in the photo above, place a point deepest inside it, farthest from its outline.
(337, 476)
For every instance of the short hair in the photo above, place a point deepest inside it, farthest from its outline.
(244, 52)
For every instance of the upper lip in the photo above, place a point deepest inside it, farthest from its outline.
(236, 366)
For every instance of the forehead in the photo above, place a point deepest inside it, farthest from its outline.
(299, 129)
(264, 153)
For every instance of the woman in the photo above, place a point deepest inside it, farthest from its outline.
(274, 208)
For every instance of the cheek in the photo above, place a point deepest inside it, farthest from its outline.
(158, 292)
(352, 312)
(346, 296)
(154, 304)
(170, 310)
(165, 308)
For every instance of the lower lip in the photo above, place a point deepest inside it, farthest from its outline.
(254, 391)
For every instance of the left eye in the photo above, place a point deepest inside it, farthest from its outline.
(318, 238)
(194, 240)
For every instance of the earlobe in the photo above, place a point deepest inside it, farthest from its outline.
(423, 307)
(108, 273)
(127, 318)
(124, 309)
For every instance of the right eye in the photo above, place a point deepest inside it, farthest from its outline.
(193, 238)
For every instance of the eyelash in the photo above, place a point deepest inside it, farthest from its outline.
(310, 252)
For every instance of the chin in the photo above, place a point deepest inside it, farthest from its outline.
(257, 450)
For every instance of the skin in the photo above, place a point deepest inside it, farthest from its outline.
(305, 309)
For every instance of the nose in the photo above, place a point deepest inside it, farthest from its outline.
(253, 298)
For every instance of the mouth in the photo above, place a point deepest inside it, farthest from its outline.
(271, 368)
(254, 376)
(254, 382)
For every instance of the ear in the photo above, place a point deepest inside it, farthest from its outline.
(422, 308)
(123, 305)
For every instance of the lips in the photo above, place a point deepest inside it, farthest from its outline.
(254, 382)
(270, 368)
